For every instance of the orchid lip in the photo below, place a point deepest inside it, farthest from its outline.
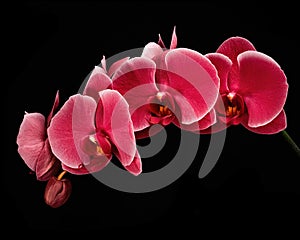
(91, 146)
(233, 106)
(161, 109)
(160, 114)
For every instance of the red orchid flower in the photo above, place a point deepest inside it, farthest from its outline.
(33, 144)
(253, 88)
(85, 134)
(163, 86)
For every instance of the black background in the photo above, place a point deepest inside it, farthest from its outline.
(254, 188)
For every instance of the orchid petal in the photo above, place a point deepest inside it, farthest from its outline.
(76, 171)
(149, 131)
(31, 138)
(192, 81)
(223, 65)
(263, 86)
(114, 67)
(136, 82)
(207, 121)
(277, 125)
(215, 128)
(151, 50)
(233, 46)
(113, 120)
(69, 127)
(135, 167)
(140, 118)
(47, 164)
(95, 165)
(97, 81)
(134, 73)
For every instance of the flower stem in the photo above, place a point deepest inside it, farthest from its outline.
(60, 176)
(288, 138)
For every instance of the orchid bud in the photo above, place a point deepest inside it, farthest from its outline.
(57, 191)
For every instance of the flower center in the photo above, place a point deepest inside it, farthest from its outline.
(99, 151)
(159, 107)
(164, 111)
(233, 105)
(94, 149)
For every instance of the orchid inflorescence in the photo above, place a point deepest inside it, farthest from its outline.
(199, 93)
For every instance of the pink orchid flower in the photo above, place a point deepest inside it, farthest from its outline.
(163, 86)
(253, 88)
(33, 144)
(85, 134)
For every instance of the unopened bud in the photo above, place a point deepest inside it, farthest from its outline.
(57, 191)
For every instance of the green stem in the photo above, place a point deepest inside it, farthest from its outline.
(288, 138)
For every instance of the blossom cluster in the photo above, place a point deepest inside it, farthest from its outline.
(200, 93)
